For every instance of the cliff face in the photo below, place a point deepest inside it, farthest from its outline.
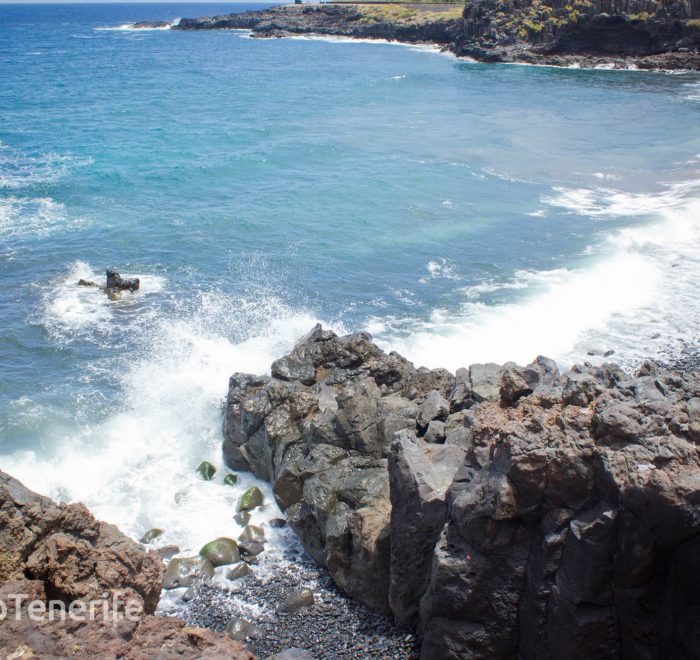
(505, 511)
(505, 29)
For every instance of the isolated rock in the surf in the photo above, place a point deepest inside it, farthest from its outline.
(115, 284)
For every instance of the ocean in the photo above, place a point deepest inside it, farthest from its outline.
(460, 212)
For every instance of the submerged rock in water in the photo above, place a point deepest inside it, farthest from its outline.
(239, 571)
(151, 535)
(185, 571)
(252, 533)
(168, 551)
(296, 601)
(82, 282)
(230, 480)
(251, 549)
(221, 551)
(242, 629)
(293, 654)
(242, 518)
(546, 514)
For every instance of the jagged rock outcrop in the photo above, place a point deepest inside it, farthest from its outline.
(506, 511)
(60, 552)
(71, 553)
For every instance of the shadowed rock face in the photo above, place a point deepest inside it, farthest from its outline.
(60, 552)
(646, 34)
(506, 511)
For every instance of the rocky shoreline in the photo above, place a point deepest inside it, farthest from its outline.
(57, 558)
(503, 511)
(635, 34)
(498, 512)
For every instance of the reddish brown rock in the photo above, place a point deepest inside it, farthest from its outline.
(149, 637)
(59, 552)
(72, 553)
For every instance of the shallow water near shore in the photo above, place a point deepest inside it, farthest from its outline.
(460, 212)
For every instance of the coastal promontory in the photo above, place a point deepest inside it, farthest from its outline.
(644, 34)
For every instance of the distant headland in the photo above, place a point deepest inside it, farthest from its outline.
(634, 34)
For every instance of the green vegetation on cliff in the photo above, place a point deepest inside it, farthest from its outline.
(413, 13)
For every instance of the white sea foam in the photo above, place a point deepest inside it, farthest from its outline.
(126, 27)
(694, 93)
(337, 39)
(441, 268)
(638, 297)
(21, 217)
(137, 462)
(20, 170)
(71, 311)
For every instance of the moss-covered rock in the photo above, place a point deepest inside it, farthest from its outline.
(251, 499)
(231, 479)
(151, 535)
(206, 470)
(221, 551)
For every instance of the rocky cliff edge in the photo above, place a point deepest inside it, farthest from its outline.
(506, 511)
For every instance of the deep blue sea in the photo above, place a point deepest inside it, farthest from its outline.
(460, 212)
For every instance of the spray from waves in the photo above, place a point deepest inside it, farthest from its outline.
(638, 297)
(134, 464)
(72, 312)
(125, 27)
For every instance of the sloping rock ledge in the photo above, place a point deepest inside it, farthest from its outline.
(505, 511)
(61, 553)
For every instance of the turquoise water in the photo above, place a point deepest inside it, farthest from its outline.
(459, 211)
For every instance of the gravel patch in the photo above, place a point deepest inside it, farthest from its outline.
(336, 627)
